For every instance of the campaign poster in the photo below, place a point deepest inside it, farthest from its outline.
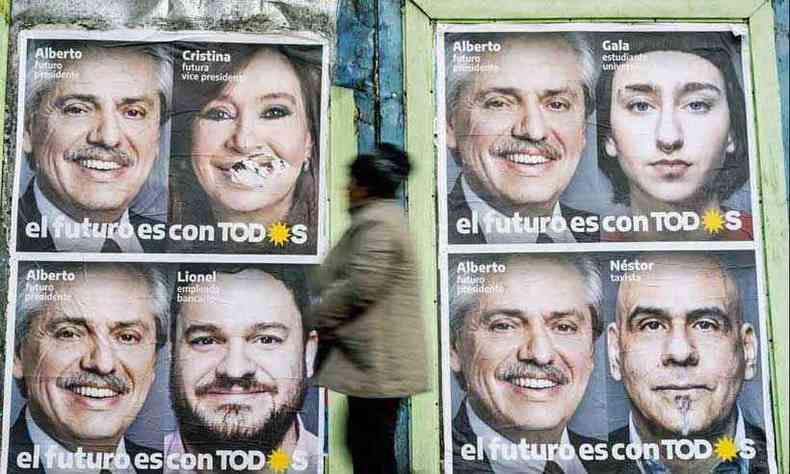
(593, 133)
(636, 342)
(143, 367)
(605, 362)
(171, 143)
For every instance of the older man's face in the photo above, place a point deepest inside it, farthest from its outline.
(527, 353)
(95, 137)
(519, 130)
(88, 361)
(679, 347)
(241, 361)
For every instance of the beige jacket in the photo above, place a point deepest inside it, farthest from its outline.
(369, 315)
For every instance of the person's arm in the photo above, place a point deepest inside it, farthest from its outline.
(369, 268)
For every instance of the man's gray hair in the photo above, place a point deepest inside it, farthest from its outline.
(461, 305)
(457, 81)
(31, 300)
(38, 87)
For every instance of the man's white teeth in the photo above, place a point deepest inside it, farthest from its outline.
(523, 159)
(94, 392)
(99, 165)
(534, 383)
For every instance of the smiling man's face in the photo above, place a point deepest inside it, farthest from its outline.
(527, 353)
(519, 130)
(680, 346)
(88, 361)
(240, 361)
(95, 136)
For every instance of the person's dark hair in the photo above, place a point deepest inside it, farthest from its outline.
(717, 48)
(189, 204)
(291, 276)
(382, 171)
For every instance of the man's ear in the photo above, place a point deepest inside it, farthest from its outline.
(611, 147)
(613, 347)
(750, 344)
(455, 359)
(27, 140)
(310, 349)
(451, 143)
(730, 149)
(19, 367)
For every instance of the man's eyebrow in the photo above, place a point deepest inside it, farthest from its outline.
(58, 320)
(135, 323)
(497, 90)
(81, 97)
(268, 326)
(573, 313)
(206, 328)
(487, 316)
(135, 100)
(646, 311)
(699, 86)
(710, 312)
(559, 91)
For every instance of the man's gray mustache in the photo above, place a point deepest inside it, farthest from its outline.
(112, 382)
(531, 370)
(512, 146)
(100, 153)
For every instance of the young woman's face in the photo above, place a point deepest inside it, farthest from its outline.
(250, 143)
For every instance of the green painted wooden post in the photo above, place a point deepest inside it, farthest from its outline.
(419, 52)
(343, 148)
(418, 69)
(774, 211)
(5, 13)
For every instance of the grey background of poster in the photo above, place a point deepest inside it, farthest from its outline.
(750, 399)
(590, 190)
(606, 405)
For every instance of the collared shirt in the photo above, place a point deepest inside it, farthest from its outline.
(482, 209)
(307, 445)
(515, 465)
(738, 465)
(50, 448)
(82, 243)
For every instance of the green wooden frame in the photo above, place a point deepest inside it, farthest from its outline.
(419, 65)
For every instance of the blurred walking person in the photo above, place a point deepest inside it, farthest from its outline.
(371, 337)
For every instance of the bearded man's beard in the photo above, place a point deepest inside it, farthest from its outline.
(234, 430)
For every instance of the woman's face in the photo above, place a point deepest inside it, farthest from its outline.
(249, 143)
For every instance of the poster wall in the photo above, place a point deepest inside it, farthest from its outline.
(601, 307)
(200, 156)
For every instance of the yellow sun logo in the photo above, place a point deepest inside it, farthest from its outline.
(725, 448)
(279, 233)
(279, 460)
(713, 221)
